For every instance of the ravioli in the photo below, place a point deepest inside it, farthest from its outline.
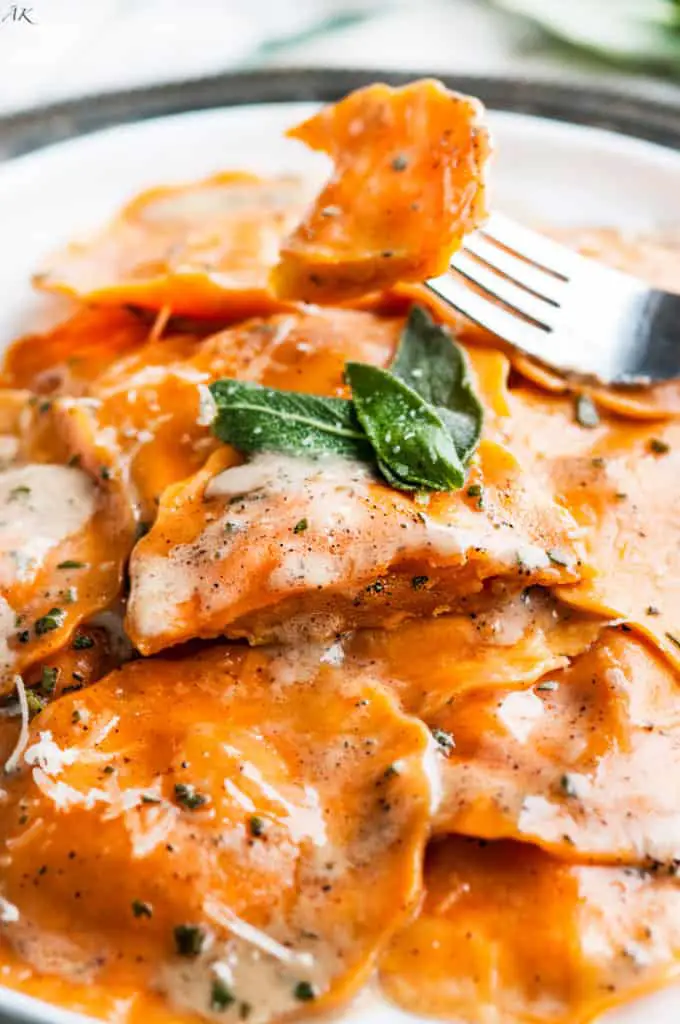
(407, 185)
(617, 479)
(265, 834)
(202, 249)
(507, 933)
(284, 546)
(143, 418)
(573, 764)
(66, 359)
(62, 550)
(503, 637)
(63, 539)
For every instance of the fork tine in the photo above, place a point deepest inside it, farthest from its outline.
(490, 316)
(535, 280)
(501, 288)
(538, 249)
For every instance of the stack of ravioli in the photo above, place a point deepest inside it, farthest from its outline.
(276, 733)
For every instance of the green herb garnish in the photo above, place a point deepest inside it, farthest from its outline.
(413, 447)
(35, 703)
(187, 795)
(304, 991)
(429, 361)
(221, 996)
(300, 526)
(52, 620)
(658, 446)
(82, 642)
(189, 939)
(142, 909)
(256, 826)
(419, 420)
(71, 564)
(22, 491)
(48, 680)
(444, 740)
(568, 785)
(420, 582)
(255, 418)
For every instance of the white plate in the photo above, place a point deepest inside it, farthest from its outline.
(543, 170)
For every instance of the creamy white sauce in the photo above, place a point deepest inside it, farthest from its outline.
(520, 712)
(9, 913)
(7, 629)
(160, 585)
(40, 507)
(316, 521)
(310, 569)
(258, 969)
(9, 448)
(207, 407)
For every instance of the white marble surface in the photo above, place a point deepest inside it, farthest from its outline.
(60, 48)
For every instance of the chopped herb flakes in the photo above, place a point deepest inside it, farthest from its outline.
(49, 622)
(568, 785)
(142, 909)
(19, 492)
(586, 412)
(399, 162)
(48, 680)
(35, 703)
(300, 526)
(420, 582)
(188, 796)
(189, 939)
(71, 564)
(304, 991)
(221, 996)
(658, 446)
(444, 740)
(82, 642)
(256, 826)
(673, 639)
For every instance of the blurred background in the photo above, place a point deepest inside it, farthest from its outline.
(52, 49)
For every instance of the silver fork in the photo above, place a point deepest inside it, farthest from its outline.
(569, 312)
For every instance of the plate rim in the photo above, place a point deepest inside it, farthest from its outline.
(631, 108)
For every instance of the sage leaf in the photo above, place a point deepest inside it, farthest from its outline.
(429, 361)
(407, 434)
(255, 418)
